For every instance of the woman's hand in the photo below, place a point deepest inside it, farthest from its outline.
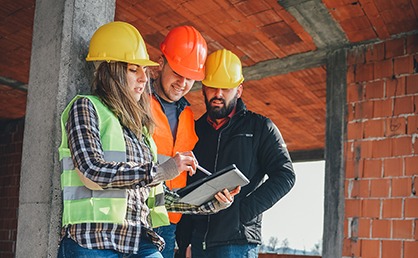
(186, 161)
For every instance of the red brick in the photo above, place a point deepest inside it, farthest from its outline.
(412, 84)
(351, 111)
(401, 146)
(364, 72)
(349, 150)
(383, 69)
(364, 110)
(372, 168)
(374, 128)
(351, 188)
(382, 148)
(375, 52)
(355, 92)
(366, 149)
(410, 249)
(416, 230)
(350, 74)
(382, 108)
(412, 124)
(379, 188)
(411, 166)
(395, 48)
(416, 104)
(416, 147)
(355, 130)
(395, 86)
(393, 167)
(364, 228)
(403, 105)
(412, 44)
(356, 56)
(402, 229)
(371, 208)
(375, 90)
(411, 208)
(392, 208)
(391, 249)
(352, 208)
(364, 188)
(370, 248)
(351, 248)
(404, 65)
(395, 126)
(353, 168)
(401, 187)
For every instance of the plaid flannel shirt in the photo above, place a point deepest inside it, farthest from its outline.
(134, 175)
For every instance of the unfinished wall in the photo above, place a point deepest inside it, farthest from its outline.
(381, 207)
(11, 139)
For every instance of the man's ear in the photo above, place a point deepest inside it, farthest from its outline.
(160, 63)
(239, 90)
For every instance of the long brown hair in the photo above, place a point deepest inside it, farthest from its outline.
(111, 85)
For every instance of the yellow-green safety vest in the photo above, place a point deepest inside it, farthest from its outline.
(83, 205)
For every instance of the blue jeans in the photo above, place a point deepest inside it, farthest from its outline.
(169, 235)
(70, 249)
(225, 251)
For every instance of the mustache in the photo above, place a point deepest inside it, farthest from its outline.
(219, 99)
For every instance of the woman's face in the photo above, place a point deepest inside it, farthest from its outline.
(137, 80)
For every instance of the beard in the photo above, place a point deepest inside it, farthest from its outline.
(220, 112)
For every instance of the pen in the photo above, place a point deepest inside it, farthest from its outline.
(204, 170)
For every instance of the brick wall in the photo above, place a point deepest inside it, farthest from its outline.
(381, 207)
(11, 140)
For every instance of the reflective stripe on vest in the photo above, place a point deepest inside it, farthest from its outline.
(155, 202)
(186, 139)
(82, 205)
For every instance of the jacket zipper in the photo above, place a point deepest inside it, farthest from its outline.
(215, 169)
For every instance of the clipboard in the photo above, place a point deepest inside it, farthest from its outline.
(205, 189)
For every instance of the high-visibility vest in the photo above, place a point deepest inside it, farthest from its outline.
(186, 139)
(84, 201)
(155, 201)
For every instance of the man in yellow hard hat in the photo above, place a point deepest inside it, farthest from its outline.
(181, 63)
(229, 133)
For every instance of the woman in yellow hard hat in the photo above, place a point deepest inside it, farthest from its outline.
(109, 159)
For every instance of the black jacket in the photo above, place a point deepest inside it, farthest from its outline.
(254, 144)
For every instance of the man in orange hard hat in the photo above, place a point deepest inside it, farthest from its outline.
(184, 52)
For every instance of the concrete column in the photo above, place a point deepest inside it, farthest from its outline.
(58, 71)
(334, 154)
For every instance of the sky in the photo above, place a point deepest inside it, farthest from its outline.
(298, 216)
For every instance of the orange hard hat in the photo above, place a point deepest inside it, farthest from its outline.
(185, 50)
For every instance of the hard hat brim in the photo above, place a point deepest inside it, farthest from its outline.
(140, 62)
(186, 72)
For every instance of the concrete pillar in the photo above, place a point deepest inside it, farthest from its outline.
(334, 154)
(58, 71)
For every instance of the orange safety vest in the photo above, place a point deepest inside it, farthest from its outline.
(186, 139)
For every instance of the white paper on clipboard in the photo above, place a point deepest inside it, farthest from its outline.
(205, 189)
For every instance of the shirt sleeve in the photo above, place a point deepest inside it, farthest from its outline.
(173, 204)
(88, 156)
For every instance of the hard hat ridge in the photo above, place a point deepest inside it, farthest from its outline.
(119, 41)
(223, 70)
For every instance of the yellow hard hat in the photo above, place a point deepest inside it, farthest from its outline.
(119, 41)
(223, 70)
